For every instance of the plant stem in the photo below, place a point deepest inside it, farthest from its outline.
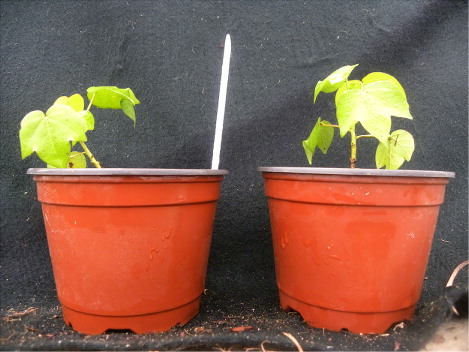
(83, 145)
(90, 155)
(353, 146)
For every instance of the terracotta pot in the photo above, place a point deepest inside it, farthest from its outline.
(129, 247)
(351, 245)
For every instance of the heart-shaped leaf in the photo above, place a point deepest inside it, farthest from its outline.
(321, 136)
(75, 101)
(377, 125)
(332, 82)
(88, 118)
(110, 97)
(399, 147)
(381, 76)
(127, 107)
(50, 134)
(389, 98)
(75, 161)
(372, 105)
(354, 84)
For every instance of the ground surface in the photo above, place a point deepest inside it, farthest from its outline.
(42, 328)
(450, 336)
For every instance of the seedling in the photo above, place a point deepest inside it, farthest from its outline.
(53, 134)
(370, 102)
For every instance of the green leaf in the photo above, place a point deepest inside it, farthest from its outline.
(354, 84)
(88, 118)
(321, 137)
(399, 147)
(377, 124)
(372, 106)
(381, 76)
(75, 101)
(110, 97)
(333, 82)
(62, 100)
(128, 108)
(75, 161)
(309, 152)
(389, 98)
(50, 135)
(402, 143)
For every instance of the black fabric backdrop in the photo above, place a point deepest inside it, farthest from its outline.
(170, 54)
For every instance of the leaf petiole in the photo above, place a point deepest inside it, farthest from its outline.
(91, 102)
(328, 125)
(90, 155)
(365, 136)
(77, 154)
(83, 145)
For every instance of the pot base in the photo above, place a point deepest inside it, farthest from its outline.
(355, 322)
(155, 322)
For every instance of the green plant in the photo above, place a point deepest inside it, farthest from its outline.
(53, 134)
(370, 102)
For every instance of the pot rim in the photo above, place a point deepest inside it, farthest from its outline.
(125, 172)
(356, 172)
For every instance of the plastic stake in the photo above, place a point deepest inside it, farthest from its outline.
(221, 103)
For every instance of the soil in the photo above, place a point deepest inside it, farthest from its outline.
(245, 327)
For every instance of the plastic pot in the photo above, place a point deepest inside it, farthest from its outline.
(351, 245)
(129, 247)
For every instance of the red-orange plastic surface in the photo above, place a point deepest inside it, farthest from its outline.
(351, 252)
(129, 252)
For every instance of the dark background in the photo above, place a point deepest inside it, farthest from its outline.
(170, 53)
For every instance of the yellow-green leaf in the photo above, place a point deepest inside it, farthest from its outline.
(399, 147)
(110, 97)
(127, 107)
(372, 106)
(321, 137)
(50, 134)
(75, 101)
(88, 119)
(76, 161)
(62, 100)
(381, 76)
(389, 98)
(333, 82)
(354, 84)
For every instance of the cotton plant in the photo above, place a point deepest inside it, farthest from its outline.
(370, 102)
(53, 134)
